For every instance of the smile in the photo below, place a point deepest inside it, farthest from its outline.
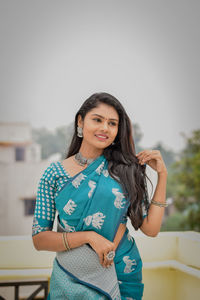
(101, 138)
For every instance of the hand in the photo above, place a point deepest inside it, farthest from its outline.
(154, 159)
(101, 246)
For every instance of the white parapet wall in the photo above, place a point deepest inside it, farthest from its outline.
(171, 263)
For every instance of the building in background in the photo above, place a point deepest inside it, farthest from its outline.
(21, 168)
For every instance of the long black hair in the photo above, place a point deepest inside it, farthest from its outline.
(123, 165)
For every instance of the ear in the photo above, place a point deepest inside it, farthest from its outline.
(80, 121)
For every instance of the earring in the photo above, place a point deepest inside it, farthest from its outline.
(113, 143)
(79, 131)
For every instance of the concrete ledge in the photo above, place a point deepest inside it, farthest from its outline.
(18, 274)
(171, 263)
(174, 265)
(18, 252)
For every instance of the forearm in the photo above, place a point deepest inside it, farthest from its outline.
(119, 234)
(53, 241)
(152, 223)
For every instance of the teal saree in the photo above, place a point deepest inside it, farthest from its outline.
(93, 200)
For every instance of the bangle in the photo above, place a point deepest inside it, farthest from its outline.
(160, 204)
(65, 242)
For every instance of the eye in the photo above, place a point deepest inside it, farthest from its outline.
(113, 123)
(97, 119)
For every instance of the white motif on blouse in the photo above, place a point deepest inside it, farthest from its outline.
(68, 227)
(76, 182)
(129, 298)
(70, 207)
(36, 228)
(100, 168)
(92, 185)
(119, 197)
(105, 173)
(129, 263)
(96, 220)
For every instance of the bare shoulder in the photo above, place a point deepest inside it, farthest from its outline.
(71, 166)
(68, 162)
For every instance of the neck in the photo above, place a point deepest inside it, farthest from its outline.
(89, 152)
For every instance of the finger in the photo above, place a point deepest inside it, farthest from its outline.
(139, 154)
(101, 259)
(104, 261)
(142, 159)
(108, 263)
(145, 157)
(143, 152)
(149, 156)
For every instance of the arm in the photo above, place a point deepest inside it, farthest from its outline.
(42, 235)
(119, 235)
(53, 241)
(152, 223)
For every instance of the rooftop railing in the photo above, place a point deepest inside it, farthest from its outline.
(171, 264)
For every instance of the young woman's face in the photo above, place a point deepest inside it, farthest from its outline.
(100, 126)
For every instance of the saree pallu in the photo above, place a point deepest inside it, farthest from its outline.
(93, 201)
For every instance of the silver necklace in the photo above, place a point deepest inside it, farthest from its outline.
(82, 161)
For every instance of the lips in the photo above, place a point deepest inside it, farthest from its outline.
(101, 136)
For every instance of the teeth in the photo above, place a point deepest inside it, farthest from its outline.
(101, 136)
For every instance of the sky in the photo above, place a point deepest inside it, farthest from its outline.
(55, 54)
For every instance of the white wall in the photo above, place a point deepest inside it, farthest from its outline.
(19, 180)
(15, 132)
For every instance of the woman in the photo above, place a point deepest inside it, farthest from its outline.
(100, 183)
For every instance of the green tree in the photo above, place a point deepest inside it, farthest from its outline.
(185, 182)
(53, 141)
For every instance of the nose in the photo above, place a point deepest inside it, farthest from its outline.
(104, 126)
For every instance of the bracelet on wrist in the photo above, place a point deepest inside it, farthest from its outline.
(160, 204)
(65, 242)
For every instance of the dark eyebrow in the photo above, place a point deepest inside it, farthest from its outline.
(103, 117)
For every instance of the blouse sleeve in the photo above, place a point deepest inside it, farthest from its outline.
(45, 210)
